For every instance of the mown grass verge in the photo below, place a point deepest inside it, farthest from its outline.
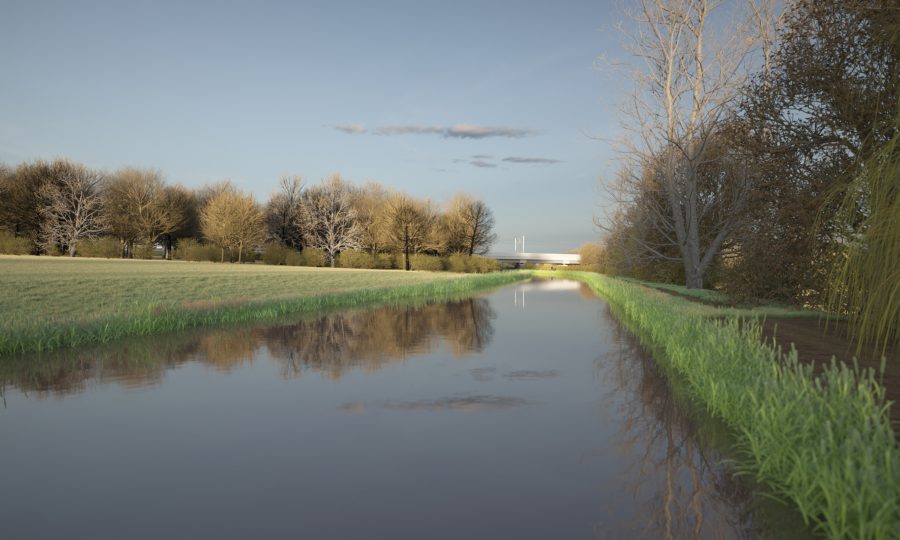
(155, 318)
(825, 443)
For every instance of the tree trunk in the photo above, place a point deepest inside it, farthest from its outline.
(406, 248)
(331, 259)
(72, 249)
(223, 255)
(240, 252)
(693, 276)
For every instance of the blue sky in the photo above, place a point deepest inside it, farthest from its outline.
(445, 92)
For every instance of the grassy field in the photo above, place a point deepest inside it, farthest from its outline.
(55, 302)
(823, 442)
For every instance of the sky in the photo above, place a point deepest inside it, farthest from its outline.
(501, 100)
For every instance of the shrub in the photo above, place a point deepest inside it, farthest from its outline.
(143, 251)
(307, 257)
(15, 245)
(108, 248)
(192, 250)
(276, 253)
(385, 261)
(356, 259)
(459, 263)
(427, 263)
(483, 265)
(314, 257)
(295, 258)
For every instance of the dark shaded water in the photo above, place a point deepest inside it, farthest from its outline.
(524, 413)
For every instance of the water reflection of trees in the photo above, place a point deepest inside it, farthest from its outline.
(676, 476)
(373, 339)
(332, 344)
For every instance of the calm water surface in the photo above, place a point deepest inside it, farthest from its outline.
(528, 412)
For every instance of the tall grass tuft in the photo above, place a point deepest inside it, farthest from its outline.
(824, 442)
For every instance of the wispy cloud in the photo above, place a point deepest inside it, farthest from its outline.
(468, 131)
(538, 160)
(352, 129)
(482, 164)
(458, 131)
(482, 156)
(409, 130)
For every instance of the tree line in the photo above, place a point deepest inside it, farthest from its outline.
(762, 155)
(53, 207)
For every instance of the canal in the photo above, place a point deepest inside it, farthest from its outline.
(525, 412)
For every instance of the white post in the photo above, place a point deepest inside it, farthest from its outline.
(523, 243)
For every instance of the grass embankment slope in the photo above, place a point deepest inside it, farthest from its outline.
(823, 442)
(51, 303)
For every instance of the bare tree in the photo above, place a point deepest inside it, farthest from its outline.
(284, 212)
(233, 221)
(5, 179)
(72, 208)
(209, 191)
(411, 225)
(470, 225)
(330, 218)
(21, 202)
(690, 76)
(370, 203)
(139, 205)
(181, 201)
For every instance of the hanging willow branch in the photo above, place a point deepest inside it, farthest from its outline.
(866, 281)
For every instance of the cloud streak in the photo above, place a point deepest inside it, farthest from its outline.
(351, 129)
(409, 130)
(531, 160)
(482, 164)
(469, 131)
(456, 131)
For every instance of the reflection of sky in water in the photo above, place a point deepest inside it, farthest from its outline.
(525, 413)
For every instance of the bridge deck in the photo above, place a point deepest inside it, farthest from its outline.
(539, 258)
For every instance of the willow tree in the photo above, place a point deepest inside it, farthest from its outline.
(866, 282)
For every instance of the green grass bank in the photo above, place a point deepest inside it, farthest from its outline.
(52, 303)
(823, 442)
